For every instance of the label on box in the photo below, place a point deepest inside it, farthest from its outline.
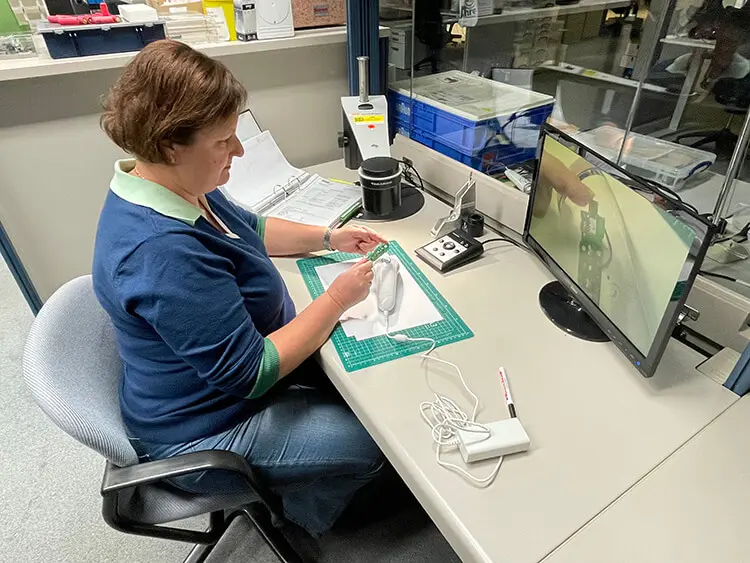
(321, 11)
(221, 22)
(178, 10)
(369, 118)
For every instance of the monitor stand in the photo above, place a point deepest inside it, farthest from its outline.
(566, 313)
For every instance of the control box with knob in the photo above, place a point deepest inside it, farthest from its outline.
(451, 251)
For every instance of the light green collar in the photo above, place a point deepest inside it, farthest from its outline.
(148, 194)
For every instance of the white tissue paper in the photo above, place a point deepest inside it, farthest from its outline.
(363, 321)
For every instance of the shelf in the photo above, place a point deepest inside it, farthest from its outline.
(18, 69)
(566, 68)
(687, 42)
(518, 14)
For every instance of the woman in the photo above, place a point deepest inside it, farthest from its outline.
(205, 326)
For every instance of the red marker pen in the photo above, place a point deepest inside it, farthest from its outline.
(506, 389)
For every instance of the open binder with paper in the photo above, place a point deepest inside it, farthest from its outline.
(263, 181)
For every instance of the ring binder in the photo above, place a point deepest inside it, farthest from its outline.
(255, 185)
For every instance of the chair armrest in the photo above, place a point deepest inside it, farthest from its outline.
(119, 478)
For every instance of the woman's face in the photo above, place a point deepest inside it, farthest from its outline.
(205, 163)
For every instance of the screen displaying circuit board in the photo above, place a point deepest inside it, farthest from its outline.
(627, 249)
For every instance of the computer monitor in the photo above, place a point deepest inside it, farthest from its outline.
(625, 251)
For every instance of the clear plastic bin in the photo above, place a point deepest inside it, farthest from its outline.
(17, 46)
(191, 28)
(666, 163)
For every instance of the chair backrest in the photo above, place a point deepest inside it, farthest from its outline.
(72, 367)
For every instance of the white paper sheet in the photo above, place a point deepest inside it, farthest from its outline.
(363, 321)
(319, 202)
(261, 174)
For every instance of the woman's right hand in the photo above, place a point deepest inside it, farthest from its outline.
(352, 286)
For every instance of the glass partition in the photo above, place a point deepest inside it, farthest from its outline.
(660, 86)
(478, 85)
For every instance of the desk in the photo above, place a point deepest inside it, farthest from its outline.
(692, 509)
(699, 50)
(597, 427)
(703, 190)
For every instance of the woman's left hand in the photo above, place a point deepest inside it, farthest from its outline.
(359, 240)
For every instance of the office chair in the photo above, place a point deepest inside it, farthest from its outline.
(72, 366)
(734, 95)
(430, 30)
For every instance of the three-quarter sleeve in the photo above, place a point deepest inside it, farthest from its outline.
(256, 222)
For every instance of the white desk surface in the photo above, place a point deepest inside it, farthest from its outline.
(703, 191)
(596, 425)
(692, 509)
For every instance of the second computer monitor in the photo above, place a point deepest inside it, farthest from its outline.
(624, 252)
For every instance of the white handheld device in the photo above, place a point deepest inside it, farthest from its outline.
(385, 283)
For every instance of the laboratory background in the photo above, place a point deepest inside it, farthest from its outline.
(555, 351)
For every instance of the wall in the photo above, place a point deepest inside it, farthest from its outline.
(55, 163)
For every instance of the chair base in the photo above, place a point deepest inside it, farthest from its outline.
(259, 518)
(199, 553)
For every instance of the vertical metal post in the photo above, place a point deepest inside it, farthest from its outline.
(364, 86)
(377, 86)
(735, 164)
(19, 272)
(651, 54)
(363, 39)
(465, 62)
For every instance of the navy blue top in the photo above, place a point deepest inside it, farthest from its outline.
(191, 307)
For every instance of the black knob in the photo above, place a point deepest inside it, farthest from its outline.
(343, 141)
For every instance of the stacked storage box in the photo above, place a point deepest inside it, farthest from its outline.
(482, 123)
(98, 39)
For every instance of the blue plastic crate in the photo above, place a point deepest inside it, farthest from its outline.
(84, 40)
(520, 129)
(471, 114)
(489, 161)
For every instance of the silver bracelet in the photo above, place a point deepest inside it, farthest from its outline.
(327, 239)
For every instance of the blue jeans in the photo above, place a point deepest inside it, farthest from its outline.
(306, 444)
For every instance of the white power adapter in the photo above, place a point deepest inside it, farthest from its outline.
(506, 437)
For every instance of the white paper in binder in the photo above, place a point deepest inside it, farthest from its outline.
(261, 175)
(263, 181)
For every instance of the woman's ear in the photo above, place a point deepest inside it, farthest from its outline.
(169, 151)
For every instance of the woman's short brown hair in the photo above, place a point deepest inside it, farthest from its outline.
(167, 93)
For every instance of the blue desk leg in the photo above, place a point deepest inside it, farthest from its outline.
(19, 272)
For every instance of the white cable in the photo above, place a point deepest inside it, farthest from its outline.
(446, 417)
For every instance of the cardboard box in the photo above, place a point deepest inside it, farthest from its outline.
(175, 7)
(318, 13)
(593, 25)
(574, 25)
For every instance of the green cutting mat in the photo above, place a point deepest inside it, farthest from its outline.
(358, 354)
